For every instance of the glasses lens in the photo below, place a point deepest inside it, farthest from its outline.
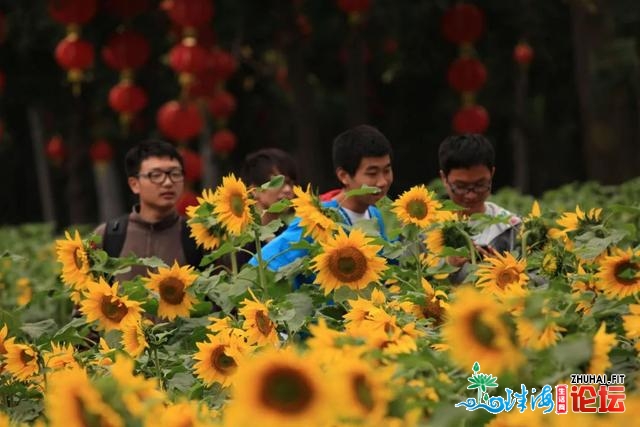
(176, 175)
(156, 176)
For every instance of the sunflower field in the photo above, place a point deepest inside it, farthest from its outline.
(358, 331)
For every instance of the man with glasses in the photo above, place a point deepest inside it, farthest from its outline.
(467, 165)
(155, 172)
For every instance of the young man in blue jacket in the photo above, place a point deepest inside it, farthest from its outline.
(361, 156)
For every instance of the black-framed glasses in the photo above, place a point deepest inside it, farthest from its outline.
(157, 176)
(461, 190)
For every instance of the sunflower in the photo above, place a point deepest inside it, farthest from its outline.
(475, 330)
(602, 345)
(218, 359)
(417, 206)
(71, 401)
(619, 274)
(313, 218)
(207, 237)
(4, 331)
(359, 311)
(171, 284)
(133, 340)
(103, 304)
(499, 273)
(24, 291)
(327, 345)
(139, 394)
(187, 414)
(532, 336)
(348, 260)
(570, 222)
(282, 389)
(60, 357)
(21, 360)
(259, 327)
(435, 305)
(579, 291)
(75, 261)
(631, 323)
(231, 205)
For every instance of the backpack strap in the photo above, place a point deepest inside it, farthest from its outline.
(192, 253)
(115, 233)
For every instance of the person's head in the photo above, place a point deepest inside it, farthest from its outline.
(155, 172)
(467, 165)
(362, 156)
(262, 165)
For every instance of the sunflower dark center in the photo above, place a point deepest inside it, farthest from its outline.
(506, 277)
(348, 264)
(264, 324)
(287, 390)
(26, 356)
(172, 291)
(626, 273)
(78, 259)
(433, 310)
(481, 331)
(363, 391)
(113, 310)
(417, 209)
(223, 363)
(236, 202)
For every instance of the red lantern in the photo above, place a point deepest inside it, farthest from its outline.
(72, 11)
(304, 25)
(127, 99)
(473, 119)
(188, 198)
(190, 13)
(101, 151)
(56, 150)
(467, 75)
(463, 23)
(188, 57)
(222, 105)
(126, 50)
(126, 9)
(204, 84)
(179, 122)
(75, 55)
(354, 6)
(223, 141)
(222, 64)
(192, 165)
(523, 53)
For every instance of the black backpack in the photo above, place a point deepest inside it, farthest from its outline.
(116, 231)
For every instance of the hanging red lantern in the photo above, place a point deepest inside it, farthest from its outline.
(69, 12)
(188, 198)
(463, 23)
(204, 85)
(188, 58)
(354, 6)
(101, 151)
(127, 50)
(472, 119)
(127, 99)
(56, 150)
(523, 53)
(467, 75)
(74, 55)
(192, 165)
(190, 13)
(126, 9)
(222, 105)
(223, 141)
(179, 122)
(222, 64)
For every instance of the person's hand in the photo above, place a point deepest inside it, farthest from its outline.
(486, 251)
(457, 261)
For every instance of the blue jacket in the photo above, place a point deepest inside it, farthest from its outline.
(277, 253)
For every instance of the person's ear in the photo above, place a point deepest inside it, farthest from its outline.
(134, 184)
(443, 177)
(343, 176)
(493, 170)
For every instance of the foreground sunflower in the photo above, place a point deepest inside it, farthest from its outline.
(208, 238)
(602, 345)
(138, 393)
(532, 336)
(4, 331)
(172, 284)
(417, 206)
(60, 357)
(133, 340)
(231, 205)
(501, 272)
(313, 219)
(475, 330)
(281, 389)
(102, 304)
(631, 324)
(259, 327)
(73, 256)
(348, 260)
(619, 275)
(218, 359)
(21, 360)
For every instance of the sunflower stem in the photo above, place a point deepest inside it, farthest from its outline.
(261, 266)
(472, 249)
(156, 361)
(524, 244)
(234, 264)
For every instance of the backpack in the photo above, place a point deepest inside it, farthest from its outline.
(116, 231)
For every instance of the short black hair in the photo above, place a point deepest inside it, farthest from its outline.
(352, 145)
(260, 165)
(465, 151)
(149, 148)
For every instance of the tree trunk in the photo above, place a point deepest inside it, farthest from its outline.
(42, 171)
